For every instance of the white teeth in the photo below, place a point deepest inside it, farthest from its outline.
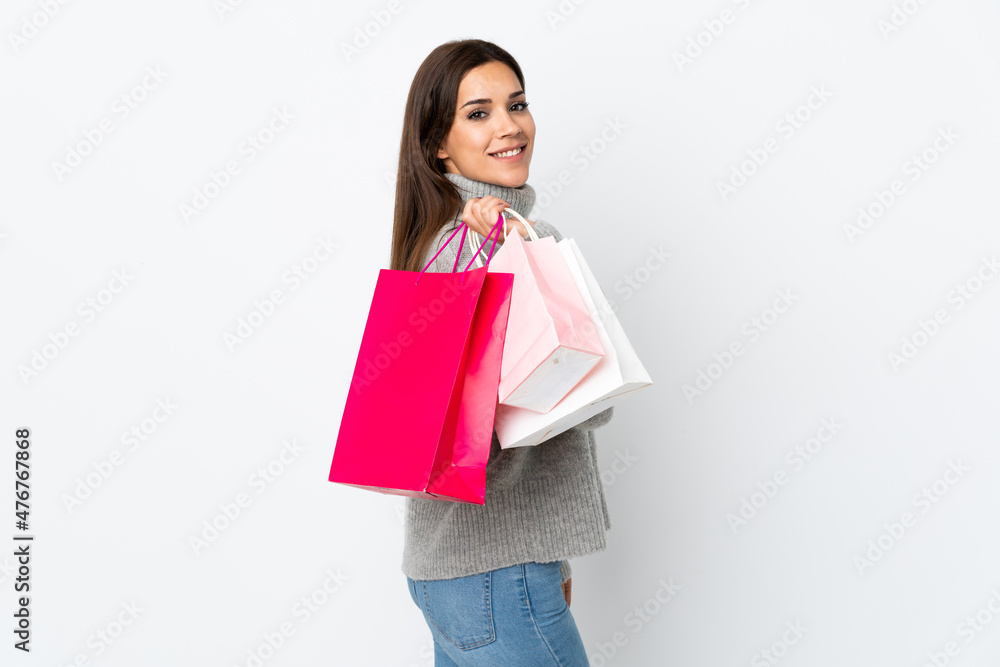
(508, 153)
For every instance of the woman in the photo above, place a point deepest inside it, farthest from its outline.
(492, 580)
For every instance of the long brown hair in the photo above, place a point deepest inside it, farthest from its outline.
(425, 199)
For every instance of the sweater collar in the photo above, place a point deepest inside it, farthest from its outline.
(521, 199)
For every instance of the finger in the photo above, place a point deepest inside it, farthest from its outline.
(487, 211)
(476, 214)
(471, 217)
(519, 226)
(496, 216)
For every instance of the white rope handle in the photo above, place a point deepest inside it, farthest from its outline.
(473, 238)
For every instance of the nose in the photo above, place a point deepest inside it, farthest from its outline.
(506, 125)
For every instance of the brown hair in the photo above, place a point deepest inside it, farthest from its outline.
(425, 199)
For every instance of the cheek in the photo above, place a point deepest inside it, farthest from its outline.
(529, 128)
(473, 140)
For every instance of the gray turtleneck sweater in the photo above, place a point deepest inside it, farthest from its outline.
(543, 503)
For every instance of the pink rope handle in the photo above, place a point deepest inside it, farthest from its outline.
(443, 246)
(465, 228)
(496, 229)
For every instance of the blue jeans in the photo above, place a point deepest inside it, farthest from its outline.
(516, 615)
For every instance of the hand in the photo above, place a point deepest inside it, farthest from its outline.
(567, 585)
(481, 213)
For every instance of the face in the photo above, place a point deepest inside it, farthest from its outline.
(491, 118)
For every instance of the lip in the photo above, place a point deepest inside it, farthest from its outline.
(512, 158)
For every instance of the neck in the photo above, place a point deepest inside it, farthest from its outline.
(521, 199)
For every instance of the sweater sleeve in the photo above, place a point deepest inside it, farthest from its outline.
(446, 260)
(543, 228)
(565, 570)
(597, 421)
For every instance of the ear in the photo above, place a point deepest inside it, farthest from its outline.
(442, 154)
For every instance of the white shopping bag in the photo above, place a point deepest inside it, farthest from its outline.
(616, 376)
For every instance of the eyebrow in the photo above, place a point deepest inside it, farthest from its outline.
(488, 101)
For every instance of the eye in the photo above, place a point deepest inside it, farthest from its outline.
(479, 114)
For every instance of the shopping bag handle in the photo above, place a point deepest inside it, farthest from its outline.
(465, 228)
(532, 234)
(475, 255)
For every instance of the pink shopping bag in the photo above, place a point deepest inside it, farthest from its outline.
(552, 342)
(619, 375)
(418, 420)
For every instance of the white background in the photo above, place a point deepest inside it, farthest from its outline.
(682, 129)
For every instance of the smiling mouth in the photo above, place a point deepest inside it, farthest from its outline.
(510, 153)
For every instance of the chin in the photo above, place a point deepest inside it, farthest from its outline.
(511, 179)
